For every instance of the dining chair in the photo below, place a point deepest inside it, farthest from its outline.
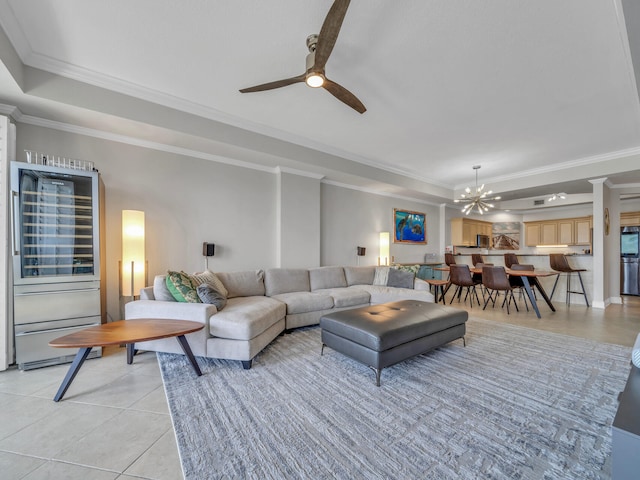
(510, 259)
(449, 259)
(477, 277)
(476, 258)
(560, 264)
(517, 283)
(460, 276)
(495, 280)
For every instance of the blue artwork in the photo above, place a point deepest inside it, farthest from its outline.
(409, 227)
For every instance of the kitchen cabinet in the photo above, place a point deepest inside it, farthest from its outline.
(630, 219)
(531, 234)
(549, 233)
(464, 231)
(565, 231)
(582, 231)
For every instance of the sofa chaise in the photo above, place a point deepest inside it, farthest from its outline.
(263, 304)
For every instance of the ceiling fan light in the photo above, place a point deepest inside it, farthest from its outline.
(314, 80)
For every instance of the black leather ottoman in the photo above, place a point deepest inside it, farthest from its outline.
(382, 335)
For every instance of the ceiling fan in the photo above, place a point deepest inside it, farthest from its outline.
(320, 47)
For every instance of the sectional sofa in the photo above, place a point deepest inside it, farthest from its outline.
(263, 304)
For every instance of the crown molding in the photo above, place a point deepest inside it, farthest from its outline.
(128, 140)
(381, 194)
(582, 162)
(300, 173)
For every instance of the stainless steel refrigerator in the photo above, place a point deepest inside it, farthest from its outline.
(630, 261)
(56, 259)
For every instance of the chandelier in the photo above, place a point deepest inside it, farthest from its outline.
(476, 198)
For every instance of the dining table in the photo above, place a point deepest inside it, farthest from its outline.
(525, 275)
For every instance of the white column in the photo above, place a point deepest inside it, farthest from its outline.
(442, 225)
(598, 294)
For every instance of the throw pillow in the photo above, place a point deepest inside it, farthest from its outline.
(380, 278)
(181, 287)
(400, 278)
(208, 294)
(408, 268)
(160, 290)
(212, 279)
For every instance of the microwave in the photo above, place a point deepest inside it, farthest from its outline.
(483, 241)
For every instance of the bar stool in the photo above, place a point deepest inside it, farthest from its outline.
(560, 264)
(510, 259)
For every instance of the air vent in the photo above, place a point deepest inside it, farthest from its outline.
(538, 202)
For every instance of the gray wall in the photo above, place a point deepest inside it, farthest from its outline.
(298, 234)
(257, 219)
(351, 218)
(186, 201)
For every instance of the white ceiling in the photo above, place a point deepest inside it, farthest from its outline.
(538, 93)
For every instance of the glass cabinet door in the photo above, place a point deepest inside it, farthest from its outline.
(56, 224)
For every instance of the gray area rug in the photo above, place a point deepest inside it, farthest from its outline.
(515, 403)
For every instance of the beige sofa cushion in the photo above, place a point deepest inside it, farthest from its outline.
(246, 317)
(326, 277)
(359, 275)
(286, 280)
(346, 297)
(303, 302)
(243, 284)
(384, 294)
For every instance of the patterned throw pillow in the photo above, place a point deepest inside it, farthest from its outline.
(181, 287)
(408, 268)
(212, 279)
(208, 294)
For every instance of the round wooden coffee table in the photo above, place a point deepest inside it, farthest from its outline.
(128, 332)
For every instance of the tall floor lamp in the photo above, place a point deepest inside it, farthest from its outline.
(383, 259)
(133, 271)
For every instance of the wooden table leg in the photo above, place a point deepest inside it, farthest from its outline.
(187, 351)
(81, 356)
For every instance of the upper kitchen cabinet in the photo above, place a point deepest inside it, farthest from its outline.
(566, 231)
(464, 231)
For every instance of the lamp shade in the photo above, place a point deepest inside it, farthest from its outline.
(133, 259)
(384, 248)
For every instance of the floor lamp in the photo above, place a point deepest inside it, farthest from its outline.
(133, 271)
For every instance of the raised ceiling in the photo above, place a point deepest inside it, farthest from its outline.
(539, 93)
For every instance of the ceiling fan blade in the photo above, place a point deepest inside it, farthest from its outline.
(343, 95)
(329, 32)
(276, 84)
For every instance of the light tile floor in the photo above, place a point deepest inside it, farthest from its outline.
(113, 423)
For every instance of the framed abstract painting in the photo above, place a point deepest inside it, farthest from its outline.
(409, 227)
